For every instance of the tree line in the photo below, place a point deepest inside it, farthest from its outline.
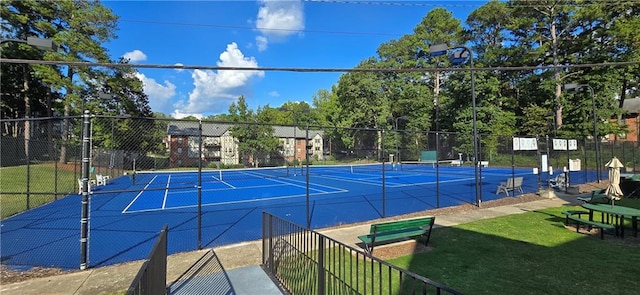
(500, 34)
(517, 33)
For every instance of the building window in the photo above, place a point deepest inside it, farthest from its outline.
(317, 140)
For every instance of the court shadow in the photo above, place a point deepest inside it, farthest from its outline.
(205, 276)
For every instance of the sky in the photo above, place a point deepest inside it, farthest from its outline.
(258, 34)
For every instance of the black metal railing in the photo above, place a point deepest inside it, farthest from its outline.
(152, 276)
(307, 262)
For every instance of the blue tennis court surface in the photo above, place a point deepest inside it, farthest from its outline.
(127, 214)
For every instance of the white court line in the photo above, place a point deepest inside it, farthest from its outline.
(296, 185)
(226, 183)
(223, 188)
(359, 180)
(337, 189)
(231, 202)
(428, 182)
(388, 183)
(166, 192)
(139, 194)
(278, 183)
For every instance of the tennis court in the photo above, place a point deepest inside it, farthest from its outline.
(128, 212)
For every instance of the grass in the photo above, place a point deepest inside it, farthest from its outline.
(42, 182)
(530, 253)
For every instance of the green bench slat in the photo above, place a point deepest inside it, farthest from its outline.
(574, 212)
(396, 230)
(393, 235)
(400, 224)
(579, 221)
(594, 223)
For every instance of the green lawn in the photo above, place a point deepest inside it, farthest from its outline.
(530, 253)
(42, 185)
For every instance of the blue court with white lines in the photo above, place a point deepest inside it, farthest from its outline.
(127, 214)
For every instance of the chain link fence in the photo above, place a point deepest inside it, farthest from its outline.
(330, 171)
(44, 166)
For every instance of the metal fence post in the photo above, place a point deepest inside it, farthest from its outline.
(84, 219)
(539, 162)
(478, 167)
(321, 278)
(306, 156)
(27, 138)
(513, 167)
(55, 169)
(270, 247)
(437, 164)
(199, 185)
(384, 190)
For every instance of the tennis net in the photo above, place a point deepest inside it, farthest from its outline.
(190, 177)
(369, 168)
(445, 167)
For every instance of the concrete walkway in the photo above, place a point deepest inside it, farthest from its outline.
(245, 257)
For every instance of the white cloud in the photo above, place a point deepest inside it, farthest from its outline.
(262, 43)
(179, 65)
(274, 94)
(160, 95)
(135, 56)
(179, 115)
(214, 91)
(278, 19)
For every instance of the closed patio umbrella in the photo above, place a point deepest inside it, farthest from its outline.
(613, 189)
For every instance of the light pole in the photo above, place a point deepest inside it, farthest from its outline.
(395, 128)
(456, 58)
(574, 86)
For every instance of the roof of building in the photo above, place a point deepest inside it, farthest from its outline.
(190, 128)
(631, 105)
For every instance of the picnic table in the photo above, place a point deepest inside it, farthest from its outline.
(620, 213)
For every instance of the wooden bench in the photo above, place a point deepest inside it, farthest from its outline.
(512, 184)
(576, 215)
(397, 230)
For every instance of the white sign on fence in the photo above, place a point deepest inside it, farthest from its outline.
(525, 144)
(561, 144)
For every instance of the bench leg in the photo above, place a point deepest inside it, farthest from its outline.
(368, 248)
